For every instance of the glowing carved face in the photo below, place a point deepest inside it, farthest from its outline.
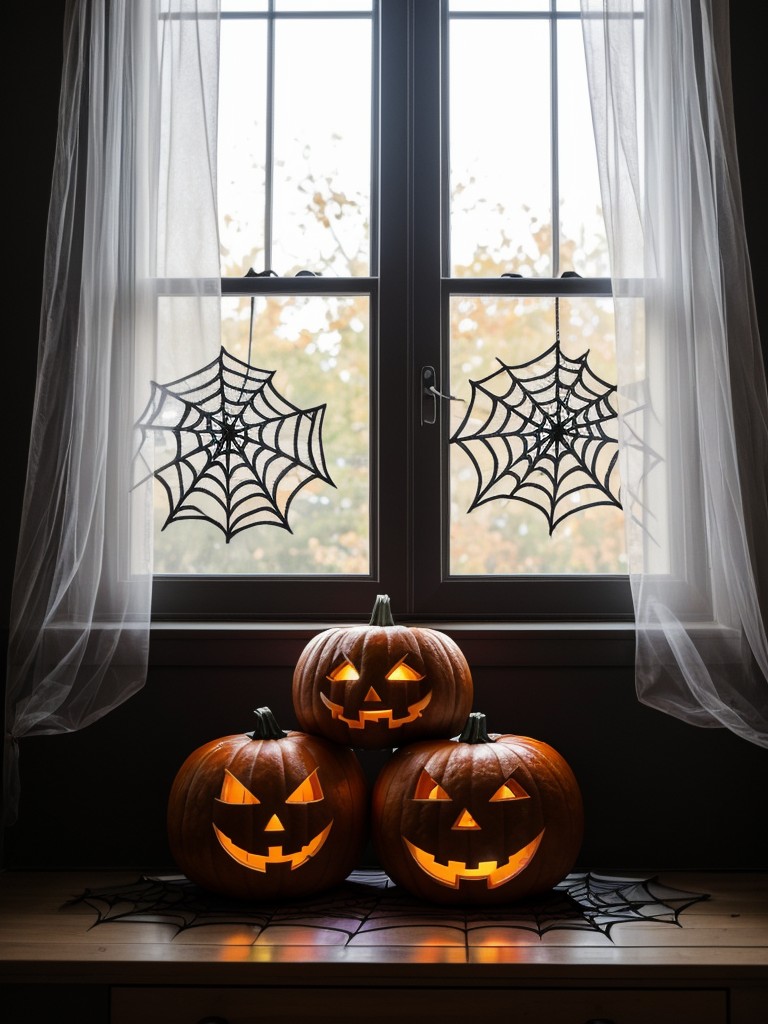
(482, 818)
(275, 838)
(373, 708)
(495, 872)
(381, 685)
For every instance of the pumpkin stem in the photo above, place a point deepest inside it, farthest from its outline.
(475, 729)
(382, 612)
(266, 726)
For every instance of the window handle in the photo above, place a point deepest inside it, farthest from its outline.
(430, 394)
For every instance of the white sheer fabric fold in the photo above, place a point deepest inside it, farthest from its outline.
(132, 202)
(693, 406)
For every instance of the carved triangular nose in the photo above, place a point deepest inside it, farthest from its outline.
(274, 825)
(372, 696)
(465, 820)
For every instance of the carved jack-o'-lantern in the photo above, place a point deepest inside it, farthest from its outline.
(268, 814)
(482, 818)
(381, 685)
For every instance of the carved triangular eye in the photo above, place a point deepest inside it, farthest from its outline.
(234, 792)
(308, 791)
(344, 672)
(402, 673)
(428, 789)
(510, 790)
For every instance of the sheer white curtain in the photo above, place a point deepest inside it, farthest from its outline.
(694, 413)
(133, 203)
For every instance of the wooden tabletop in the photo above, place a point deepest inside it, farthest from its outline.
(119, 927)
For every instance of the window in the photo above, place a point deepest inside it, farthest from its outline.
(388, 173)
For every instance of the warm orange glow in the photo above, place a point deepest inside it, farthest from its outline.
(307, 792)
(465, 820)
(511, 790)
(372, 696)
(428, 789)
(257, 862)
(454, 872)
(363, 717)
(234, 792)
(274, 825)
(402, 673)
(344, 672)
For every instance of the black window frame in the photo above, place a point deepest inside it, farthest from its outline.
(409, 292)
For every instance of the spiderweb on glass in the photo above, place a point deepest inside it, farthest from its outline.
(239, 452)
(369, 908)
(544, 433)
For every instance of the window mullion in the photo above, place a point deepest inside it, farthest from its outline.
(427, 252)
(391, 422)
(554, 135)
(269, 142)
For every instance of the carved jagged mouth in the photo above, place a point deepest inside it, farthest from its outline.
(275, 855)
(364, 717)
(456, 871)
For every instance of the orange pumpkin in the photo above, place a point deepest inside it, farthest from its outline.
(268, 814)
(478, 819)
(381, 685)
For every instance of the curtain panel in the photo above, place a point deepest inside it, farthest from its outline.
(692, 387)
(132, 209)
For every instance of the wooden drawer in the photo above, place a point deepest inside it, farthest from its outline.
(368, 1005)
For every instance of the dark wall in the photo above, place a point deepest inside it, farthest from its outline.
(659, 794)
(31, 115)
(747, 34)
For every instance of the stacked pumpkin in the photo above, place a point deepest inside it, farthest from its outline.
(473, 818)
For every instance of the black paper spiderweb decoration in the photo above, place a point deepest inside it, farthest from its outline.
(240, 450)
(544, 433)
(368, 907)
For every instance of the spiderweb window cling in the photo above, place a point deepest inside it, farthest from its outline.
(544, 433)
(240, 450)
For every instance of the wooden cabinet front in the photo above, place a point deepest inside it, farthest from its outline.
(416, 1005)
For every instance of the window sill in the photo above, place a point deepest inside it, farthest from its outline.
(483, 643)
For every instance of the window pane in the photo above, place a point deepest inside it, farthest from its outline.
(511, 537)
(319, 183)
(242, 145)
(318, 348)
(244, 5)
(322, 147)
(583, 244)
(474, 6)
(249, 6)
(500, 150)
(323, 5)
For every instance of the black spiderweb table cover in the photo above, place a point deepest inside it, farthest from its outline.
(369, 903)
